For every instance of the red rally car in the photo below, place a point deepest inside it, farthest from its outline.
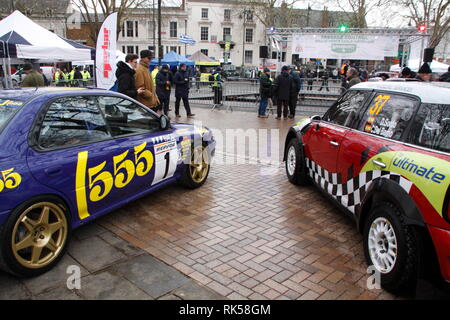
(382, 153)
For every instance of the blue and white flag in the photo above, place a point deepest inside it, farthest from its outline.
(185, 39)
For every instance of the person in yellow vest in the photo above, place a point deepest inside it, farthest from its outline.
(59, 78)
(86, 76)
(154, 73)
(65, 78)
(71, 77)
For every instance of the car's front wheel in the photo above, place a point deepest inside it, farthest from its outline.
(35, 237)
(391, 247)
(295, 163)
(196, 172)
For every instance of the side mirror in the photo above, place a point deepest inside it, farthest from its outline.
(316, 117)
(164, 122)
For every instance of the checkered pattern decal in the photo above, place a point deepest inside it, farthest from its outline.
(351, 193)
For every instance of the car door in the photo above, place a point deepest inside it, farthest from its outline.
(367, 150)
(71, 151)
(148, 155)
(323, 140)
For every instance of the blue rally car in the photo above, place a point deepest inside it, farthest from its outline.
(71, 155)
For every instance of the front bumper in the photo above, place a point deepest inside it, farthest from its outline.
(441, 240)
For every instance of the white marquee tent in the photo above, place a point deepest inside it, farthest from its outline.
(414, 65)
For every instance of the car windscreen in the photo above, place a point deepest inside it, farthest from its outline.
(8, 107)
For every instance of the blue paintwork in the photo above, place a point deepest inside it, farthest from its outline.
(53, 172)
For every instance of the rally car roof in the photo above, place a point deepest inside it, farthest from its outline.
(428, 92)
(28, 93)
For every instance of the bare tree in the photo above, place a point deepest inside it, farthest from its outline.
(435, 14)
(279, 13)
(357, 11)
(94, 12)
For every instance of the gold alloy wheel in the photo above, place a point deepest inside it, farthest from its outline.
(39, 235)
(200, 164)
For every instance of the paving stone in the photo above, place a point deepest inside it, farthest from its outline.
(193, 291)
(109, 286)
(151, 275)
(95, 253)
(61, 293)
(169, 297)
(124, 246)
(11, 288)
(88, 231)
(56, 277)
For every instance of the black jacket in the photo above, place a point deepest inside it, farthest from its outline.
(296, 83)
(125, 78)
(181, 81)
(283, 86)
(161, 86)
(265, 88)
(445, 77)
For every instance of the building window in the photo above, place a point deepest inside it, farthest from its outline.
(136, 27)
(137, 50)
(124, 49)
(204, 51)
(204, 13)
(249, 35)
(173, 48)
(227, 14)
(130, 49)
(130, 27)
(249, 15)
(226, 32)
(173, 29)
(249, 56)
(204, 33)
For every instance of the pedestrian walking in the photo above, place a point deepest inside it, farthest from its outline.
(282, 89)
(143, 80)
(33, 78)
(324, 76)
(163, 89)
(125, 76)
(295, 90)
(182, 85)
(265, 91)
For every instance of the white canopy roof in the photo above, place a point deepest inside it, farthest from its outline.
(414, 65)
(25, 39)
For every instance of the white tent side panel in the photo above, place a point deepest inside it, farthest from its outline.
(44, 53)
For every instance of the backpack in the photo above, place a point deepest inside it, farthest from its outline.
(211, 78)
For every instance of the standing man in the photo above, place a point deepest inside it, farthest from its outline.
(125, 76)
(296, 86)
(163, 89)
(154, 73)
(352, 78)
(217, 86)
(147, 96)
(59, 78)
(265, 91)
(282, 89)
(325, 76)
(33, 78)
(181, 81)
(86, 76)
(77, 77)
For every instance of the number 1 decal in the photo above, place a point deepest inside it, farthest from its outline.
(166, 158)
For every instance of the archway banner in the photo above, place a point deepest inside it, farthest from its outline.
(345, 46)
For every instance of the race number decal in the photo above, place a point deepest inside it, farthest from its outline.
(166, 159)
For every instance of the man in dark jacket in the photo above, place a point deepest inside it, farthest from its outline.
(296, 86)
(181, 80)
(125, 76)
(33, 78)
(424, 73)
(446, 76)
(265, 91)
(282, 89)
(163, 88)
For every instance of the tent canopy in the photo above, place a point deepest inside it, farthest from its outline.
(201, 59)
(173, 59)
(21, 38)
(414, 65)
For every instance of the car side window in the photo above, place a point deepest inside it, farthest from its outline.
(388, 115)
(345, 112)
(72, 121)
(431, 127)
(124, 117)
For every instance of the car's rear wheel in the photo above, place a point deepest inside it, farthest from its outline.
(35, 237)
(295, 163)
(196, 172)
(391, 247)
